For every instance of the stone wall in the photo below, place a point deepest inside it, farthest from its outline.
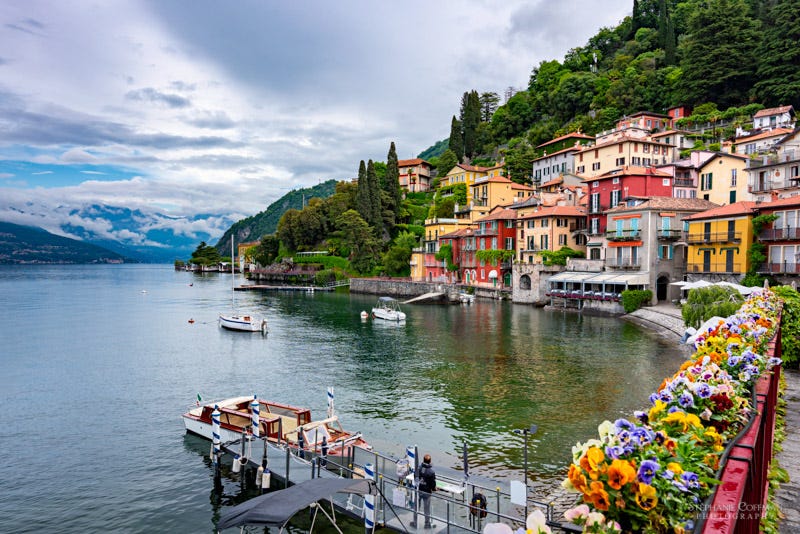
(529, 282)
(404, 288)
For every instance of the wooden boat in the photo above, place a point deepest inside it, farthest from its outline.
(280, 424)
(388, 309)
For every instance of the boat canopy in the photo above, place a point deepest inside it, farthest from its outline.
(385, 299)
(277, 507)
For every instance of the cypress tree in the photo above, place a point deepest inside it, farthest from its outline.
(375, 217)
(363, 196)
(779, 56)
(472, 118)
(392, 181)
(456, 139)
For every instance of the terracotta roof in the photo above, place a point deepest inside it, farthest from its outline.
(668, 132)
(571, 135)
(556, 211)
(471, 168)
(772, 111)
(624, 139)
(777, 132)
(779, 203)
(411, 162)
(721, 155)
(562, 151)
(645, 113)
(458, 233)
(668, 203)
(745, 207)
(501, 214)
(528, 202)
(554, 181)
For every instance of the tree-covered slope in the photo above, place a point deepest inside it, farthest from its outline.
(266, 222)
(30, 245)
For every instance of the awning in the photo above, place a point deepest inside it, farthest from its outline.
(594, 244)
(277, 507)
(571, 276)
(631, 279)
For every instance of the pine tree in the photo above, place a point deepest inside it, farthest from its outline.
(375, 217)
(456, 139)
(392, 181)
(718, 59)
(489, 102)
(363, 196)
(778, 73)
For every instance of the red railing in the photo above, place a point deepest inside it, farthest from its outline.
(740, 500)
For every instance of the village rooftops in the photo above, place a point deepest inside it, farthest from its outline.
(773, 111)
(777, 132)
(556, 211)
(666, 203)
(573, 135)
(745, 207)
(499, 214)
(630, 171)
(411, 162)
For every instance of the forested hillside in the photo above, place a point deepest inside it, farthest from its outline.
(30, 245)
(266, 222)
(720, 54)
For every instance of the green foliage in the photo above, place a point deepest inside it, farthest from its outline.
(266, 252)
(704, 303)
(205, 255)
(327, 262)
(760, 221)
(444, 208)
(559, 257)
(447, 161)
(416, 229)
(392, 183)
(456, 143)
(777, 75)
(633, 299)
(434, 151)
(790, 335)
(494, 256)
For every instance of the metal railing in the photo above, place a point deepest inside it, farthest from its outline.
(715, 237)
(780, 268)
(714, 268)
(623, 263)
(623, 235)
(670, 234)
(779, 234)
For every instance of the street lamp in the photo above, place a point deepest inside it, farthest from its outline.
(525, 431)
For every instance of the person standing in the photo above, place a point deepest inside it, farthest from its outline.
(427, 485)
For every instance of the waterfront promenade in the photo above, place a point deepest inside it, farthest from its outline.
(665, 319)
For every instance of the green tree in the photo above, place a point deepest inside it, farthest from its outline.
(456, 139)
(266, 252)
(393, 182)
(489, 102)
(357, 237)
(472, 118)
(778, 55)
(519, 160)
(718, 56)
(447, 161)
(376, 216)
(289, 230)
(364, 196)
(205, 254)
(396, 261)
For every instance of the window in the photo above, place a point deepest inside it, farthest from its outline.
(595, 183)
(665, 182)
(562, 239)
(655, 149)
(733, 177)
(615, 197)
(595, 227)
(510, 223)
(646, 161)
(532, 223)
(494, 243)
(636, 160)
(705, 181)
(615, 180)
(665, 252)
(620, 148)
(509, 243)
(731, 196)
(581, 169)
(594, 203)
(596, 166)
(645, 148)
(545, 223)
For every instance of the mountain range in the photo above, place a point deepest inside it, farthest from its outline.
(31, 245)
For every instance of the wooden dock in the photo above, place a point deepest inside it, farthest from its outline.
(264, 287)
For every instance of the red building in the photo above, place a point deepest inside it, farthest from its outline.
(612, 188)
(496, 232)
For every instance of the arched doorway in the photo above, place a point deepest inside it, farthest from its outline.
(524, 282)
(661, 287)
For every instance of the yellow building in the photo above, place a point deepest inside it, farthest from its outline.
(630, 147)
(723, 179)
(462, 174)
(550, 228)
(718, 241)
(494, 190)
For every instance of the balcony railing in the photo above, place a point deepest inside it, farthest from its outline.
(779, 234)
(715, 237)
(623, 263)
(670, 234)
(600, 230)
(597, 209)
(486, 231)
(683, 182)
(623, 235)
(714, 268)
(780, 268)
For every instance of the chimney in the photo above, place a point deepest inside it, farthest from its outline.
(773, 196)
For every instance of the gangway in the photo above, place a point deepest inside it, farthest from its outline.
(426, 296)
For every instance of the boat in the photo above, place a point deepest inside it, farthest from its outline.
(235, 321)
(466, 298)
(282, 425)
(388, 309)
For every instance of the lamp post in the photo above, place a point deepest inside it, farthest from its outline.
(525, 431)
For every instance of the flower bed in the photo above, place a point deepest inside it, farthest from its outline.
(654, 472)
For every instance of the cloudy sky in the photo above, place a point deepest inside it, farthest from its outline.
(218, 107)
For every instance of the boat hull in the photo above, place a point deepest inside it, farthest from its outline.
(388, 315)
(243, 323)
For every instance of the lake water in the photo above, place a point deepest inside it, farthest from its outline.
(99, 362)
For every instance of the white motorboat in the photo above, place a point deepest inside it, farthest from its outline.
(280, 424)
(388, 309)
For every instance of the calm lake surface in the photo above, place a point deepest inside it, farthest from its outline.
(99, 362)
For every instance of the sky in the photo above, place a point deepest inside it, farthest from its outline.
(190, 107)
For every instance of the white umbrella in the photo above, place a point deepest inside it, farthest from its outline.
(679, 283)
(699, 283)
(744, 290)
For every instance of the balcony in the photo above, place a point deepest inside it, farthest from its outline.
(780, 268)
(714, 268)
(601, 230)
(486, 231)
(633, 264)
(670, 235)
(714, 237)
(779, 234)
(623, 235)
(597, 209)
(683, 182)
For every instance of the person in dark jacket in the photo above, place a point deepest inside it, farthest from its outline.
(427, 485)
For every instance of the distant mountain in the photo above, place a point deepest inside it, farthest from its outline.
(266, 222)
(31, 245)
(436, 150)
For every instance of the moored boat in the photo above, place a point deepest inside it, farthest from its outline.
(280, 424)
(243, 323)
(388, 309)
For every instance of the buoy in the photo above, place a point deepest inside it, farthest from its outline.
(364, 315)
(236, 464)
(191, 320)
(265, 478)
(259, 474)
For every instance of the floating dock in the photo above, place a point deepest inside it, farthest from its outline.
(263, 287)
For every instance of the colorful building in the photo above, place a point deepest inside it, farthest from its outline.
(495, 236)
(415, 174)
(718, 241)
(782, 239)
(722, 178)
(550, 228)
(618, 149)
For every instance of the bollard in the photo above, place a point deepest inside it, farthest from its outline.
(255, 407)
(300, 443)
(324, 450)
(331, 410)
(369, 501)
(286, 482)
